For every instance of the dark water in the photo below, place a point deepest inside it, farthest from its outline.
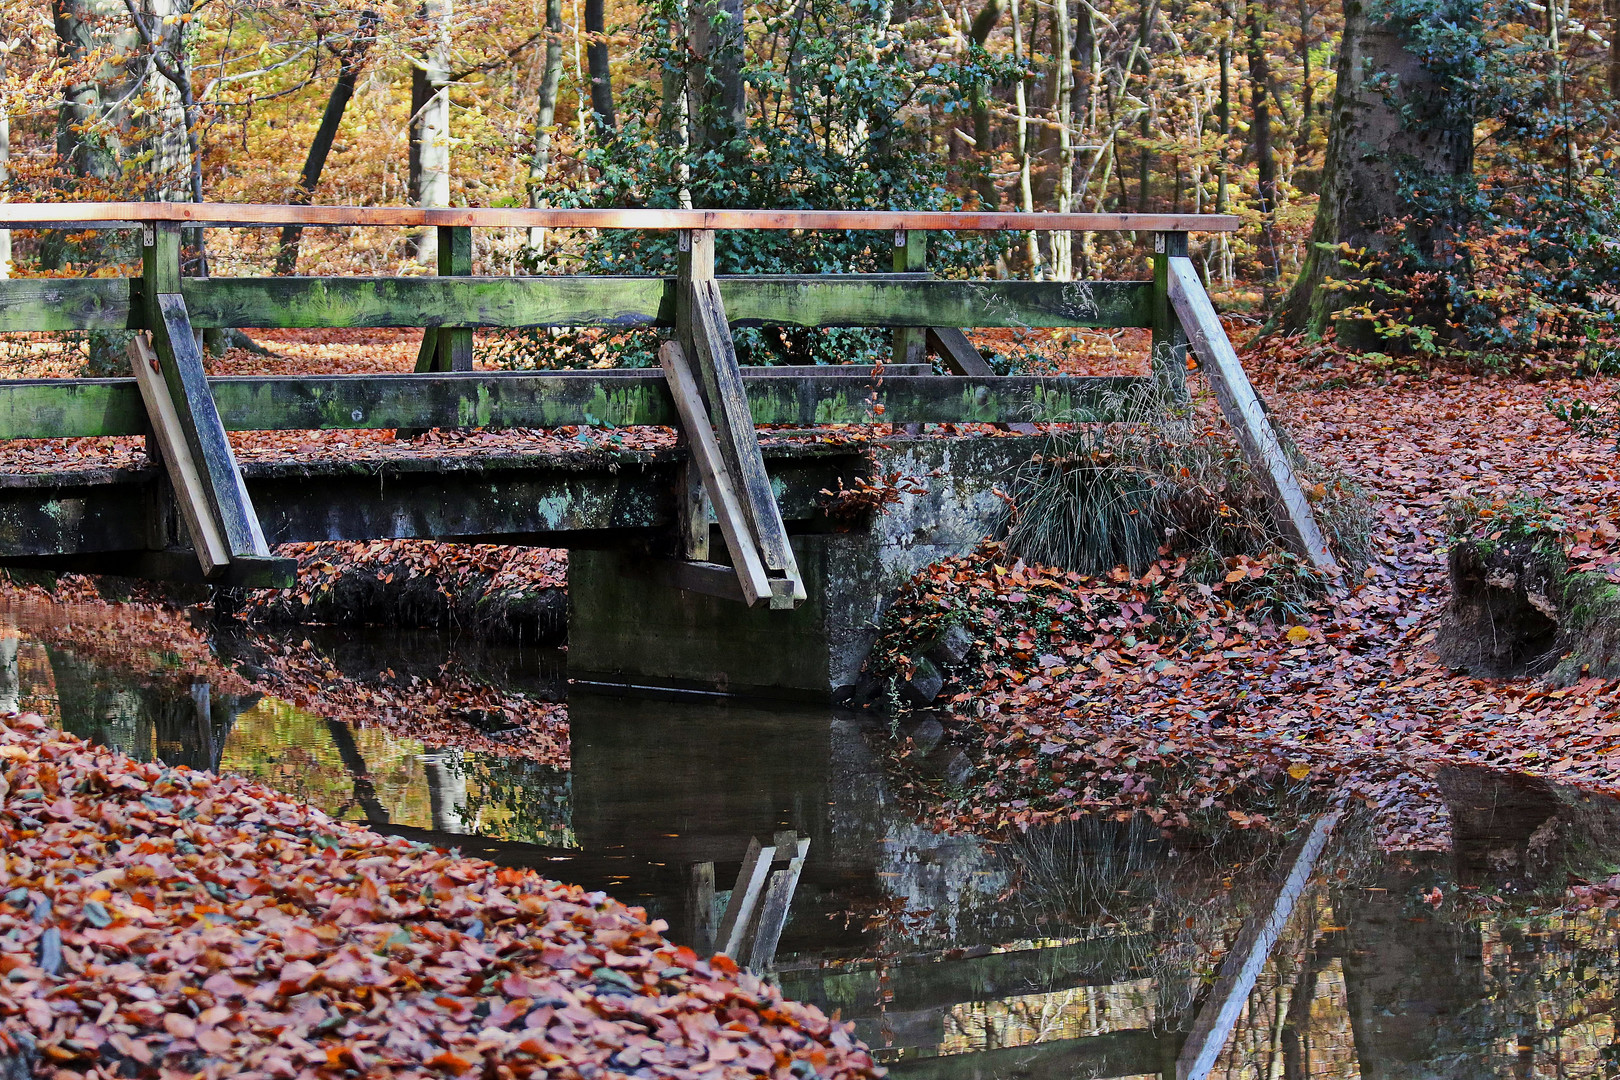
(1097, 948)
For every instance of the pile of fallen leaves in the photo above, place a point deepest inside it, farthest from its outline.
(1044, 641)
(159, 922)
(1111, 710)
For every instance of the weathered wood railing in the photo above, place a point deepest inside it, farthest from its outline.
(701, 389)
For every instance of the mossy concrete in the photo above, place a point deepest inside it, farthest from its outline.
(627, 630)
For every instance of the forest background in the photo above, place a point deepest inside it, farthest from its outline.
(1429, 181)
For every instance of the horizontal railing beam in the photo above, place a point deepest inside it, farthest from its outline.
(650, 301)
(247, 215)
(78, 408)
(58, 304)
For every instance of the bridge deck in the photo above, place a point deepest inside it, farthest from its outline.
(586, 498)
(224, 515)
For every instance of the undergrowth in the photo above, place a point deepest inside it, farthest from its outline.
(1159, 482)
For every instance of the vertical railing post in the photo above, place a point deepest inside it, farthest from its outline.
(910, 257)
(1169, 339)
(705, 341)
(196, 454)
(450, 348)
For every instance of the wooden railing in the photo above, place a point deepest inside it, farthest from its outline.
(701, 389)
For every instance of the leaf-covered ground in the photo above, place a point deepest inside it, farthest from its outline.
(1157, 693)
(164, 922)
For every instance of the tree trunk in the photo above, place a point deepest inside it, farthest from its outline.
(1369, 143)
(1144, 179)
(350, 61)
(84, 149)
(1063, 116)
(1306, 89)
(430, 101)
(5, 182)
(545, 115)
(985, 151)
(716, 35)
(1026, 191)
(596, 58)
(1264, 156)
(1614, 48)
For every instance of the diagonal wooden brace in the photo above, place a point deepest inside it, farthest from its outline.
(711, 466)
(1243, 411)
(213, 498)
(706, 338)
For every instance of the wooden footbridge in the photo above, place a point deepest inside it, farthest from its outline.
(205, 514)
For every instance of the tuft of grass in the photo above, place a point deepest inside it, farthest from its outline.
(1154, 481)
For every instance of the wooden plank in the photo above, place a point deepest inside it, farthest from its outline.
(208, 540)
(957, 353)
(795, 301)
(173, 565)
(230, 215)
(699, 907)
(182, 367)
(773, 911)
(717, 479)
(1123, 1052)
(430, 301)
(910, 256)
(1169, 356)
(1242, 966)
(80, 408)
(58, 304)
(696, 576)
(1243, 411)
(455, 260)
(790, 300)
(756, 865)
(701, 318)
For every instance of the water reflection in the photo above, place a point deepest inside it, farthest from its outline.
(1088, 949)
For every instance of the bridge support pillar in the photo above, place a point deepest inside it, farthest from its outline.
(627, 629)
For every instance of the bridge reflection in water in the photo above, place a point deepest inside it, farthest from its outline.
(1089, 948)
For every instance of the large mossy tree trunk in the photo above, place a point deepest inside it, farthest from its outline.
(1398, 120)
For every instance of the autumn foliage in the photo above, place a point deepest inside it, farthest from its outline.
(163, 922)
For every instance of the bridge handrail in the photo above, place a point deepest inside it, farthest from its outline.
(114, 215)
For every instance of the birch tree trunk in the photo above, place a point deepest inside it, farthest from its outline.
(1063, 115)
(1026, 190)
(171, 158)
(431, 86)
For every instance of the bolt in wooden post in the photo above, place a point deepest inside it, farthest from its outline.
(1169, 339)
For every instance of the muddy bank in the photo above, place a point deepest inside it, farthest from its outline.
(489, 591)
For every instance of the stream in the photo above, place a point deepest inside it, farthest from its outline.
(1094, 948)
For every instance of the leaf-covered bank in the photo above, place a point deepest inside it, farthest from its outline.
(1148, 691)
(165, 922)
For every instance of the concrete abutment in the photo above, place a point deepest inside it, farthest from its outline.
(625, 630)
